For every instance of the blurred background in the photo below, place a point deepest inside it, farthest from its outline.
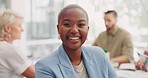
(40, 37)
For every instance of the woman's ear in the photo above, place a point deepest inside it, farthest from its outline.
(7, 28)
(58, 29)
(58, 32)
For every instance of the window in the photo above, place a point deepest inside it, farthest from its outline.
(41, 32)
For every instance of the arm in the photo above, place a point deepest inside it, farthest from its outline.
(29, 72)
(19, 63)
(120, 59)
(127, 50)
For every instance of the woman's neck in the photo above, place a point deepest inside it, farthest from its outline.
(75, 55)
(7, 39)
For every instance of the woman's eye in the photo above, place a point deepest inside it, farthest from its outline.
(81, 25)
(67, 25)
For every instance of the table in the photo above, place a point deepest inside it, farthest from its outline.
(131, 74)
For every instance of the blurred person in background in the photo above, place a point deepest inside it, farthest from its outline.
(13, 64)
(115, 40)
(71, 59)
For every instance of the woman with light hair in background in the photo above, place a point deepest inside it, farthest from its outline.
(13, 64)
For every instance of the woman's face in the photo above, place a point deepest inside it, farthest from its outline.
(73, 28)
(16, 29)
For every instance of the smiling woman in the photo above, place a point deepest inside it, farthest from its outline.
(73, 27)
(72, 60)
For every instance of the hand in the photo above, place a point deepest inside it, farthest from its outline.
(140, 66)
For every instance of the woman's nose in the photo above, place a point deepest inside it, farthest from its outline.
(74, 29)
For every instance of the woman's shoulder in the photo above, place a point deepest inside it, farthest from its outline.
(95, 50)
(95, 53)
(49, 60)
(6, 48)
(4, 44)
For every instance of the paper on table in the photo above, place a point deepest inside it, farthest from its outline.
(127, 66)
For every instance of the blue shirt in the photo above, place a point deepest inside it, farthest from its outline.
(58, 65)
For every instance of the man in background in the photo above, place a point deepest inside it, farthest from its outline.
(115, 40)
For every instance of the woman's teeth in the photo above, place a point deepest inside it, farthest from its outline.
(74, 38)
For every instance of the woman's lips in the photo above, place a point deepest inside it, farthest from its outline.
(74, 38)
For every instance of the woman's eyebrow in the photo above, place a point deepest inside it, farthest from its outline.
(66, 20)
(82, 20)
